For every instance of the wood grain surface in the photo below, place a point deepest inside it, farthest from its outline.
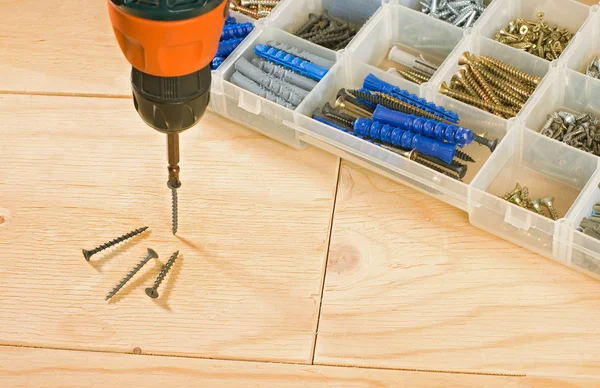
(60, 47)
(410, 284)
(21, 367)
(254, 226)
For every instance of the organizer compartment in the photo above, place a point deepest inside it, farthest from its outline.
(567, 91)
(584, 252)
(293, 14)
(397, 25)
(350, 74)
(547, 168)
(568, 14)
(249, 109)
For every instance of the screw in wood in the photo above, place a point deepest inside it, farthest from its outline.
(152, 292)
(151, 255)
(549, 203)
(88, 254)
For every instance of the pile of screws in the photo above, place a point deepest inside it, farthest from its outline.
(151, 254)
(591, 225)
(520, 196)
(383, 114)
(461, 13)
(280, 73)
(232, 36)
(256, 9)
(593, 70)
(581, 131)
(537, 38)
(327, 31)
(491, 85)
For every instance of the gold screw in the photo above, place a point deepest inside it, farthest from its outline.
(460, 78)
(413, 76)
(516, 190)
(502, 89)
(513, 71)
(476, 101)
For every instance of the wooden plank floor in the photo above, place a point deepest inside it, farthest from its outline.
(412, 285)
(55, 368)
(404, 288)
(254, 226)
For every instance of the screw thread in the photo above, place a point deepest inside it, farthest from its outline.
(390, 102)
(343, 43)
(437, 168)
(412, 76)
(175, 211)
(343, 120)
(306, 27)
(117, 240)
(130, 275)
(513, 71)
(484, 85)
(464, 156)
(476, 88)
(503, 91)
(478, 102)
(165, 270)
(509, 85)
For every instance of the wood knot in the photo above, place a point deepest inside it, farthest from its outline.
(343, 258)
(137, 351)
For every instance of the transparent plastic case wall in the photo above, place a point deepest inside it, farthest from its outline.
(547, 167)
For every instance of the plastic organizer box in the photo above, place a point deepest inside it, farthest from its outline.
(546, 166)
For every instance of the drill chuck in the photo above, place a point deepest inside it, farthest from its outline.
(171, 104)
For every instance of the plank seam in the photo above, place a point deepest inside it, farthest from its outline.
(322, 291)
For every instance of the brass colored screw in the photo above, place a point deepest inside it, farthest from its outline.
(341, 103)
(516, 190)
(413, 76)
(460, 78)
(517, 200)
(536, 205)
(503, 90)
(549, 203)
(473, 85)
(511, 70)
(476, 101)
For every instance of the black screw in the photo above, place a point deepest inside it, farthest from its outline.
(491, 144)
(153, 291)
(87, 254)
(151, 255)
(464, 156)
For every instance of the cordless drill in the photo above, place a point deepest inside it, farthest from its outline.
(170, 45)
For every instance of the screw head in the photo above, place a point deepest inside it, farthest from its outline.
(152, 253)
(465, 59)
(151, 292)
(86, 254)
(444, 88)
(548, 201)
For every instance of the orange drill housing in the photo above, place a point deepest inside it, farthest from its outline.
(168, 48)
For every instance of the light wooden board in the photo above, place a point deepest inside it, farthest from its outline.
(254, 225)
(60, 47)
(410, 284)
(21, 367)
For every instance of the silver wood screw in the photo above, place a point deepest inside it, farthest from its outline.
(151, 255)
(152, 292)
(87, 254)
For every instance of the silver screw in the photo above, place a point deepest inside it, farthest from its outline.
(152, 292)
